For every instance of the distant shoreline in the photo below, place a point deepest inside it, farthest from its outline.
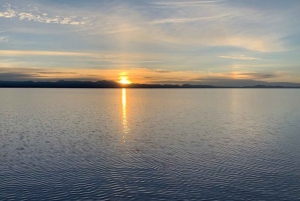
(112, 84)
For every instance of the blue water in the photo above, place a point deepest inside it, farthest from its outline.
(150, 144)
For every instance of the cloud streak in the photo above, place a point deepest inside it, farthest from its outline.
(185, 20)
(43, 53)
(185, 3)
(80, 59)
(81, 54)
(3, 38)
(240, 57)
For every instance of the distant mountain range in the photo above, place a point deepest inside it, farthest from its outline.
(112, 84)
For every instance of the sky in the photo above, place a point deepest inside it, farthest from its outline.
(219, 42)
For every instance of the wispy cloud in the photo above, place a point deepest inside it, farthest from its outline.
(217, 26)
(86, 59)
(240, 57)
(3, 38)
(25, 74)
(38, 16)
(258, 76)
(185, 3)
(239, 76)
(180, 23)
(42, 53)
(185, 20)
(5, 31)
(83, 54)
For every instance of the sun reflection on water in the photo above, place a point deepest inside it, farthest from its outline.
(124, 116)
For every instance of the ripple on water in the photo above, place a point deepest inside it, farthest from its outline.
(72, 145)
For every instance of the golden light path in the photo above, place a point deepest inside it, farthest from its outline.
(124, 116)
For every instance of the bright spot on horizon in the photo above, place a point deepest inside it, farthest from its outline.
(124, 80)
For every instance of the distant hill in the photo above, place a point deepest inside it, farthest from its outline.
(112, 84)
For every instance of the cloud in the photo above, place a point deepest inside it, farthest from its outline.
(179, 23)
(233, 79)
(78, 60)
(184, 20)
(3, 38)
(185, 3)
(43, 53)
(14, 76)
(162, 71)
(256, 76)
(4, 31)
(19, 76)
(56, 73)
(8, 11)
(222, 25)
(240, 57)
(37, 16)
(117, 58)
(41, 74)
(242, 76)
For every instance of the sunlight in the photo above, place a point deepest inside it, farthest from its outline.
(124, 80)
(124, 116)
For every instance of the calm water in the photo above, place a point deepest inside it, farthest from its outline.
(150, 144)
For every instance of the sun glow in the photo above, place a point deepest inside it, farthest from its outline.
(124, 80)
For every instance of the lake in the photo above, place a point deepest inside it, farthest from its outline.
(150, 144)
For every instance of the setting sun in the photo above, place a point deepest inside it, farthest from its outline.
(124, 80)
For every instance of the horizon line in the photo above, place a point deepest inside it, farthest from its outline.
(114, 84)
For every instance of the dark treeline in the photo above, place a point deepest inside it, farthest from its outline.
(89, 84)
(108, 84)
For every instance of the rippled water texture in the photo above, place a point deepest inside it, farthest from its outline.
(150, 144)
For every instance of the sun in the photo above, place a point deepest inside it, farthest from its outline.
(124, 80)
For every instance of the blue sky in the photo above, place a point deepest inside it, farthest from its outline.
(157, 41)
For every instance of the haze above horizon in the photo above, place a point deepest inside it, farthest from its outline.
(215, 42)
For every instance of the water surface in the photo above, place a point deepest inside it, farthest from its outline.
(150, 144)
